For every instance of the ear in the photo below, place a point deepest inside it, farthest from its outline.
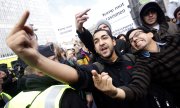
(114, 42)
(151, 34)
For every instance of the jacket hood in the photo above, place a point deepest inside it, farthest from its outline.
(160, 14)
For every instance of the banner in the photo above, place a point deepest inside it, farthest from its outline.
(118, 14)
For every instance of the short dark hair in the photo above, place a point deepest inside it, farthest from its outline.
(107, 31)
(176, 11)
(121, 35)
(145, 30)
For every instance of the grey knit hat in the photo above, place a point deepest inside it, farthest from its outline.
(103, 21)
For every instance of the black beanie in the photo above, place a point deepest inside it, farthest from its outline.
(46, 50)
(176, 11)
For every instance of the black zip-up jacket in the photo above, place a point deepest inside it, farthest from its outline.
(120, 71)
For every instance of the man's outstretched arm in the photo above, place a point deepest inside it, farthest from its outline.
(20, 41)
(83, 34)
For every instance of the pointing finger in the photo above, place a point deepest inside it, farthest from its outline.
(104, 73)
(94, 73)
(20, 25)
(23, 19)
(84, 12)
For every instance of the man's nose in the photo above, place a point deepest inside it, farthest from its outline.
(134, 38)
(101, 42)
(150, 14)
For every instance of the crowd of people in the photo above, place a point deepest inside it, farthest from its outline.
(139, 69)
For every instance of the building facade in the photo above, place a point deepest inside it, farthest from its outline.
(12, 10)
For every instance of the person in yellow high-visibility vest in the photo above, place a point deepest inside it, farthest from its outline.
(49, 98)
(4, 97)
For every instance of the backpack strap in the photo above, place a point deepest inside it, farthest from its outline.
(99, 66)
(129, 57)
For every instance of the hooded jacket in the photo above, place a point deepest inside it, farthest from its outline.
(165, 27)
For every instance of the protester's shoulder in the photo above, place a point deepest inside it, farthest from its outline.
(172, 27)
(175, 38)
(87, 67)
(140, 58)
(120, 41)
(129, 57)
(171, 24)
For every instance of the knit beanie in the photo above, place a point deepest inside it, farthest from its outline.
(46, 51)
(103, 21)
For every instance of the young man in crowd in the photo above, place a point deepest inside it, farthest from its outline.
(4, 97)
(177, 17)
(152, 17)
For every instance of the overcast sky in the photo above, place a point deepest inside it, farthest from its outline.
(63, 11)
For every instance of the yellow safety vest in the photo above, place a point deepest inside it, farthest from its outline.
(48, 98)
(6, 97)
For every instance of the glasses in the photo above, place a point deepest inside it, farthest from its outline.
(135, 35)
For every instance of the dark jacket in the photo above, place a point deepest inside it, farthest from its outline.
(160, 68)
(165, 27)
(35, 82)
(9, 86)
(120, 71)
(178, 27)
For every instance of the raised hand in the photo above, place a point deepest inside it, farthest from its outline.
(103, 82)
(80, 18)
(21, 40)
